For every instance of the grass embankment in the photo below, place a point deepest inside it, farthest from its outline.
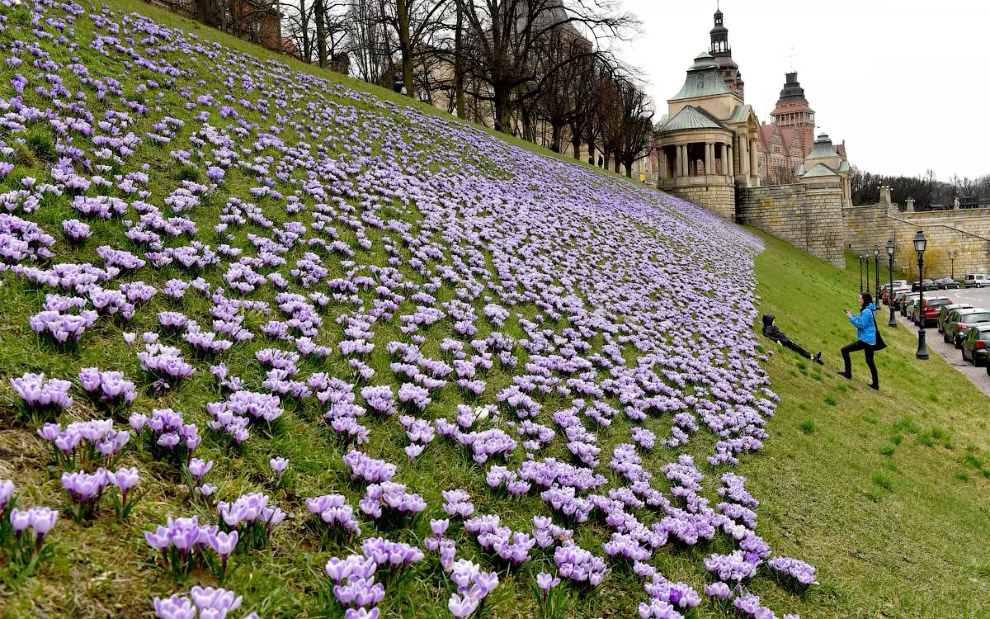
(886, 493)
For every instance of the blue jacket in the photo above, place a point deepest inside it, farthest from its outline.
(866, 326)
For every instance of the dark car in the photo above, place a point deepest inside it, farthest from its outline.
(927, 314)
(943, 314)
(975, 344)
(946, 283)
(959, 321)
(928, 285)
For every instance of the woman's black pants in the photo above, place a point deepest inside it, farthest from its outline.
(866, 348)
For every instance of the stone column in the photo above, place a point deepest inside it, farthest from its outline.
(754, 163)
(726, 169)
(743, 157)
(709, 164)
(910, 205)
(681, 164)
(732, 161)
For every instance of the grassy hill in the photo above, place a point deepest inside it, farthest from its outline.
(885, 493)
(383, 279)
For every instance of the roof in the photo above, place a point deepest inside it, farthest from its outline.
(845, 167)
(823, 148)
(703, 80)
(740, 114)
(766, 136)
(819, 171)
(691, 117)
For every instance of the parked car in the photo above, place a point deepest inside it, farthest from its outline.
(947, 283)
(901, 298)
(975, 344)
(902, 283)
(976, 280)
(943, 314)
(908, 304)
(927, 284)
(886, 293)
(959, 321)
(926, 313)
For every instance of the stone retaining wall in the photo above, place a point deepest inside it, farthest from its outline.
(808, 216)
(720, 200)
(965, 231)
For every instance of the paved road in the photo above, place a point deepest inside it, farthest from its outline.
(976, 298)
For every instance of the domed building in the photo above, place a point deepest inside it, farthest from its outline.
(708, 142)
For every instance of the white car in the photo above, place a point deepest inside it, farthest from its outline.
(977, 280)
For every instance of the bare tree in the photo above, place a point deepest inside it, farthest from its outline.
(369, 42)
(504, 37)
(414, 23)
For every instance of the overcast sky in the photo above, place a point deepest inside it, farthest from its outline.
(902, 81)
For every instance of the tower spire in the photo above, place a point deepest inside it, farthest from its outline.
(722, 52)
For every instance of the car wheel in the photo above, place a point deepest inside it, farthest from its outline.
(945, 338)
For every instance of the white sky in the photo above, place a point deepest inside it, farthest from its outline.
(904, 82)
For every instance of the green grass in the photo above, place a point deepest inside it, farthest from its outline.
(893, 533)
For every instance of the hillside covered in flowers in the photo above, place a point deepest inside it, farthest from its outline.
(266, 333)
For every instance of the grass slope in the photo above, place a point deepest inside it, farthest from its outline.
(885, 493)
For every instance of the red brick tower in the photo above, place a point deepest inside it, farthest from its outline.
(793, 111)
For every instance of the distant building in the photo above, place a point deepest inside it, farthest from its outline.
(790, 137)
(258, 21)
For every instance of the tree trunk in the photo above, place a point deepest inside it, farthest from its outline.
(208, 13)
(405, 45)
(576, 144)
(628, 169)
(501, 102)
(556, 135)
(591, 152)
(319, 13)
(527, 126)
(307, 53)
(459, 61)
(608, 160)
(618, 164)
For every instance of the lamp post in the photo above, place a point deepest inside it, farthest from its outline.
(866, 262)
(920, 244)
(890, 268)
(952, 258)
(860, 273)
(876, 269)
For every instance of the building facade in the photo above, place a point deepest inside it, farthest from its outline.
(708, 143)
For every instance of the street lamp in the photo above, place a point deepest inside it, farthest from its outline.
(952, 258)
(876, 267)
(860, 273)
(890, 268)
(920, 244)
(866, 261)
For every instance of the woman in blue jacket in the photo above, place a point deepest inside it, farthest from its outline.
(866, 337)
